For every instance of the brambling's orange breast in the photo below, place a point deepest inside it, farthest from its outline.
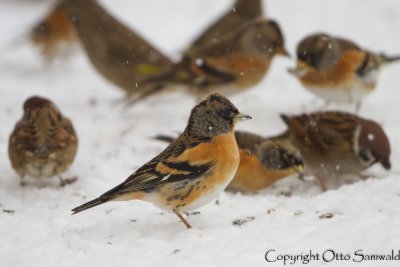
(341, 74)
(223, 154)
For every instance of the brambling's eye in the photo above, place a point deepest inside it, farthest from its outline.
(225, 114)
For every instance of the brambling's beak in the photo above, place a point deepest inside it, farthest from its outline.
(296, 169)
(300, 70)
(241, 117)
(284, 52)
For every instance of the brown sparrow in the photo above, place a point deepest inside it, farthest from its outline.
(234, 64)
(241, 12)
(118, 53)
(337, 69)
(43, 143)
(335, 144)
(263, 161)
(193, 170)
(53, 31)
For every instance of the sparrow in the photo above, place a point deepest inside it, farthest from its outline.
(53, 31)
(193, 169)
(234, 64)
(43, 142)
(263, 161)
(241, 12)
(334, 144)
(118, 53)
(337, 69)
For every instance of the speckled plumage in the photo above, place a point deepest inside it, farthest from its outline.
(44, 142)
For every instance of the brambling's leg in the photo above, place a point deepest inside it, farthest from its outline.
(358, 107)
(364, 177)
(64, 182)
(321, 183)
(182, 219)
(22, 182)
(186, 213)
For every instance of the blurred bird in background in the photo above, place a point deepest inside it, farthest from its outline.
(337, 69)
(335, 144)
(234, 64)
(52, 33)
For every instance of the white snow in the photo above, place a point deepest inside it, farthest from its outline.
(115, 141)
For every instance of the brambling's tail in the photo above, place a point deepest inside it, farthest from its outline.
(91, 204)
(164, 138)
(389, 59)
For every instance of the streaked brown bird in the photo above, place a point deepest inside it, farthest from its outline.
(232, 65)
(193, 169)
(242, 11)
(119, 54)
(52, 32)
(337, 69)
(263, 161)
(44, 142)
(335, 144)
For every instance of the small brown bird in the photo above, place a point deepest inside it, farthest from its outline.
(232, 65)
(52, 32)
(193, 169)
(263, 161)
(242, 11)
(337, 69)
(335, 144)
(43, 143)
(117, 53)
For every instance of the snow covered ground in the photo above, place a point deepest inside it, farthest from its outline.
(114, 142)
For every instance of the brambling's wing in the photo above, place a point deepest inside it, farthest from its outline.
(248, 141)
(163, 169)
(333, 132)
(326, 132)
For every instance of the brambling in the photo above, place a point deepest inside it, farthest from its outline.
(263, 161)
(241, 12)
(43, 143)
(232, 65)
(335, 144)
(117, 53)
(193, 169)
(337, 69)
(53, 31)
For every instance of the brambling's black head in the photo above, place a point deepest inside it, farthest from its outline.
(280, 155)
(263, 37)
(319, 51)
(214, 116)
(372, 145)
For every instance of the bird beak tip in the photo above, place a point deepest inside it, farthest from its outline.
(242, 117)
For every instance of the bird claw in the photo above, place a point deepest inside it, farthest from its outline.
(64, 182)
